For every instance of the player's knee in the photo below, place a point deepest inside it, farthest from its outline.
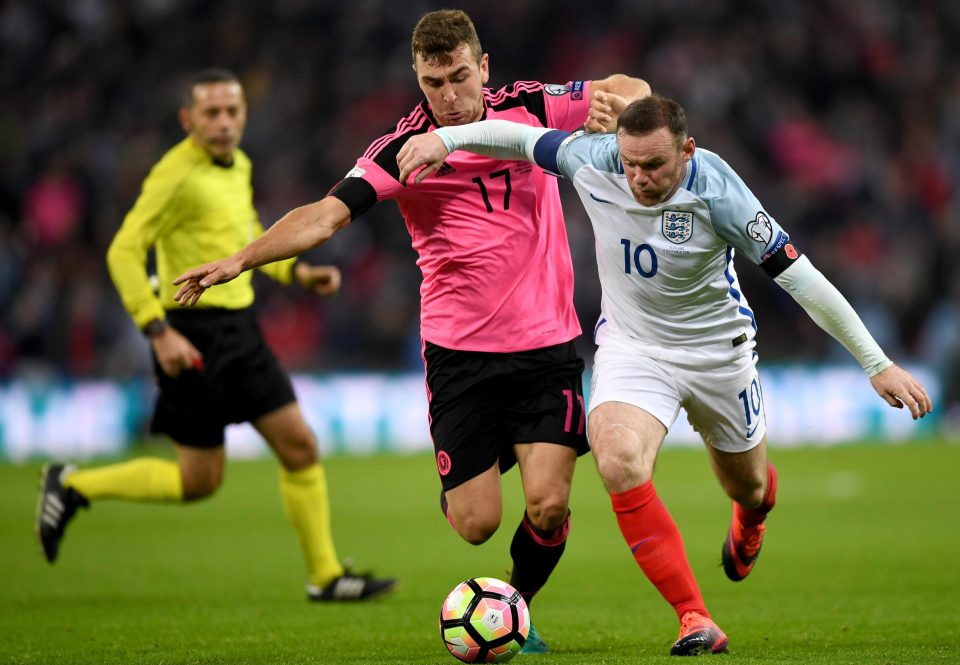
(201, 484)
(477, 529)
(548, 512)
(608, 467)
(298, 451)
(621, 467)
(749, 493)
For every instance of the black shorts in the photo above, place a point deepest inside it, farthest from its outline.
(483, 403)
(240, 381)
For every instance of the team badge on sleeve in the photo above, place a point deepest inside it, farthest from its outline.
(677, 226)
(760, 229)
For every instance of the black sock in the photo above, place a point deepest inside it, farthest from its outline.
(535, 554)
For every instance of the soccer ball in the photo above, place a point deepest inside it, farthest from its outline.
(484, 620)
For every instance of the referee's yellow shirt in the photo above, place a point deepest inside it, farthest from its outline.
(193, 211)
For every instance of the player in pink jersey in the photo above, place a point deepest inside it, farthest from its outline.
(497, 318)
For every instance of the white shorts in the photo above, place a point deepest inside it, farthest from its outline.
(723, 404)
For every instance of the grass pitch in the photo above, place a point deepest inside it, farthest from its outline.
(860, 565)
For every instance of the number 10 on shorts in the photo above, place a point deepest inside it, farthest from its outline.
(752, 400)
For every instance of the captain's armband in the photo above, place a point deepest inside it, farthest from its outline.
(779, 259)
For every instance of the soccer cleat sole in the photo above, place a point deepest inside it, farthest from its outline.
(709, 641)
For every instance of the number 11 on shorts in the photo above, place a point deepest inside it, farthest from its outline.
(568, 421)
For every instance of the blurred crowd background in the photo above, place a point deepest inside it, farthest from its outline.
(843, 117)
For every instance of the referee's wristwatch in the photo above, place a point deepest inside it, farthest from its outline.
(155, 328)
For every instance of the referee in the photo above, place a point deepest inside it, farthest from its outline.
(212, 364)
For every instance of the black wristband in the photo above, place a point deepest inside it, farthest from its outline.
(155, 327)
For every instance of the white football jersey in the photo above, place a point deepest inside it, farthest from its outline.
(669, 285)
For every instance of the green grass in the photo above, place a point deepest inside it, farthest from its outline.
(860, 566)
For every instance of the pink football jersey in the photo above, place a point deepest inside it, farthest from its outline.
(492, 246)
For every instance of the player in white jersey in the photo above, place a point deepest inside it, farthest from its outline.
(675, 329)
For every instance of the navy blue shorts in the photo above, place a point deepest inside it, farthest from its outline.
(481, 404)
(241, 379)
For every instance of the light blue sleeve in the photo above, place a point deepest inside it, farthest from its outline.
(736, 214)
(581, 149)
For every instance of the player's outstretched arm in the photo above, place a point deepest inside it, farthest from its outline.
(899, 388)
(831, 311)
(299, 230)
(502, 139)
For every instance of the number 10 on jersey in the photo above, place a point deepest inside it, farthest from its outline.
(642, 258)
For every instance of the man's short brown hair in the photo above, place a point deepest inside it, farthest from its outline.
(439, 32)
(649, 114)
